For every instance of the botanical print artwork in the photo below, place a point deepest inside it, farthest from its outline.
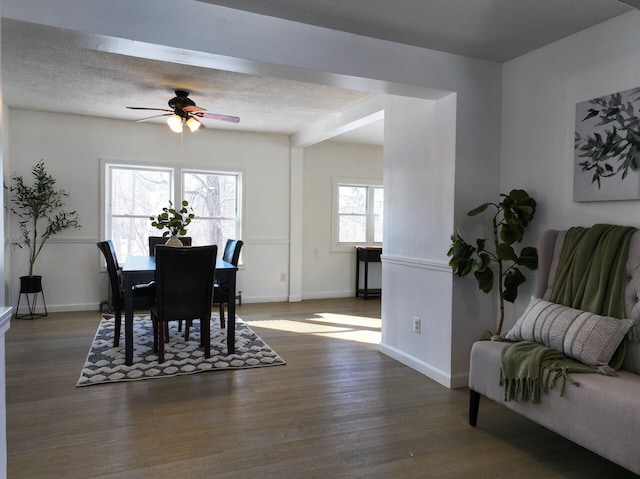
(607, 148)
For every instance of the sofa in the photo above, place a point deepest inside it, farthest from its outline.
(602, 413)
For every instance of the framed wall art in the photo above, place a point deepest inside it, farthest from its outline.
(607, 148)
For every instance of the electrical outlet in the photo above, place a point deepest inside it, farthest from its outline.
(283, 277)
(417, 324)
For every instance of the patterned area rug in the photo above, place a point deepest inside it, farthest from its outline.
(105, 364)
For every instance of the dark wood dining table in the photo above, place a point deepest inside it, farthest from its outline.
(142, 269)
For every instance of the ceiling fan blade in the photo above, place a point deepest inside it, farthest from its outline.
(215, 116)
(193, 108)
(154, 116)
(144, 108)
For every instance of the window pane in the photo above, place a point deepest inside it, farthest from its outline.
(211, 195)
(353, 229)
(378, 205)
(130, 236)
(139, 191)
(207, 231)
(352, 200)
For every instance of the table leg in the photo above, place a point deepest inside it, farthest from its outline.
(357, 274)
(127, 283)
(231, 316)
(366, 278)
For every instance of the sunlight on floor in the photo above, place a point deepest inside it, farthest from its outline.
(350, 328)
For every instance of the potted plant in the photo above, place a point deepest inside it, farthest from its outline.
(512, 215)
(174, 221)
(39, 210)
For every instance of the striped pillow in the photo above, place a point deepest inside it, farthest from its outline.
(590, 338)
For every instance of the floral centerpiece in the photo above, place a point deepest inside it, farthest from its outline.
(174, 221)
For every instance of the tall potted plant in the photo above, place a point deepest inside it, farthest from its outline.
(511, 216)
(39, 210)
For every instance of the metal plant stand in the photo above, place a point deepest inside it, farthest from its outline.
(31, 288)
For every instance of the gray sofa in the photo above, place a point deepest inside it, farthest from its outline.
(603, 413)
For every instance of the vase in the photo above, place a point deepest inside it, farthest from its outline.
(174, 241)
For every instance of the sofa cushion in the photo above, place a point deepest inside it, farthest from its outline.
(587, 337)
(632, 357)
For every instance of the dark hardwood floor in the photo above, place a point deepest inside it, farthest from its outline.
(338, 409)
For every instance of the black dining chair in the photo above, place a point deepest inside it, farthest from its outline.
(184, 290)
(161, 240)
(143, 294)
(221, 289)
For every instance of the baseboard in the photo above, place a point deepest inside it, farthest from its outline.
(329, 295)
(428, 370)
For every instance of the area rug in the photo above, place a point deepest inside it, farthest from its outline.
(106, 364)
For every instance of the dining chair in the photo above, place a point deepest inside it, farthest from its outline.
(161, 240)
(184, 290)
(221, 289)
(143, 294)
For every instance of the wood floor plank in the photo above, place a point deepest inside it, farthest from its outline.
(338, 409)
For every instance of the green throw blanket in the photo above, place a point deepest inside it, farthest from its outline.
(590, 277)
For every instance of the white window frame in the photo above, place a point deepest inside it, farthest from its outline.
(370, 184)
(177, 172)
(239, 175)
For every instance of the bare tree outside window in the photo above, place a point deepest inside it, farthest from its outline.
(214, 198)
(134, 193)
(360, 214)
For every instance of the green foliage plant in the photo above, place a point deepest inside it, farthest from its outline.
(511, 217)
(174, 221)
(616, 151)
(39, 205)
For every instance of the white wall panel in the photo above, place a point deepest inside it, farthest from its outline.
(541, 90)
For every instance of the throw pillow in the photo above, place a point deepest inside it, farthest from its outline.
(590, 338)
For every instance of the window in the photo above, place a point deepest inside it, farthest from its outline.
(215, 201)
(358, 213)
(134, 193)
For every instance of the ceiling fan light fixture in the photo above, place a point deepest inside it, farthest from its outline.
(175, 123)
(193, 124)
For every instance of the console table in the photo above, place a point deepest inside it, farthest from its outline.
(366, 255)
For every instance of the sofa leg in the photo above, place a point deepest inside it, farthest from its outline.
(474, 405)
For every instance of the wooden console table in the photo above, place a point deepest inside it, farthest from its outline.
(366, 255)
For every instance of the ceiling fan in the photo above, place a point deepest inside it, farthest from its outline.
(184, 111)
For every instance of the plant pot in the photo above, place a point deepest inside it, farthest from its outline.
(30, 284)
(174, 241)
(31, 288)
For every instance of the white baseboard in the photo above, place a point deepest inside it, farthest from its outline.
(428, 370)
(329, 295)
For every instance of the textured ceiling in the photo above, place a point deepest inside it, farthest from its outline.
(52, 75)
(41, 75)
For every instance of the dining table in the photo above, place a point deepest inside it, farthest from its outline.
(142, 269)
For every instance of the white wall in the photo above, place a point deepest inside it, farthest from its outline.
(322, 162)
(72, 147)
(419, 190)
(541, 90)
